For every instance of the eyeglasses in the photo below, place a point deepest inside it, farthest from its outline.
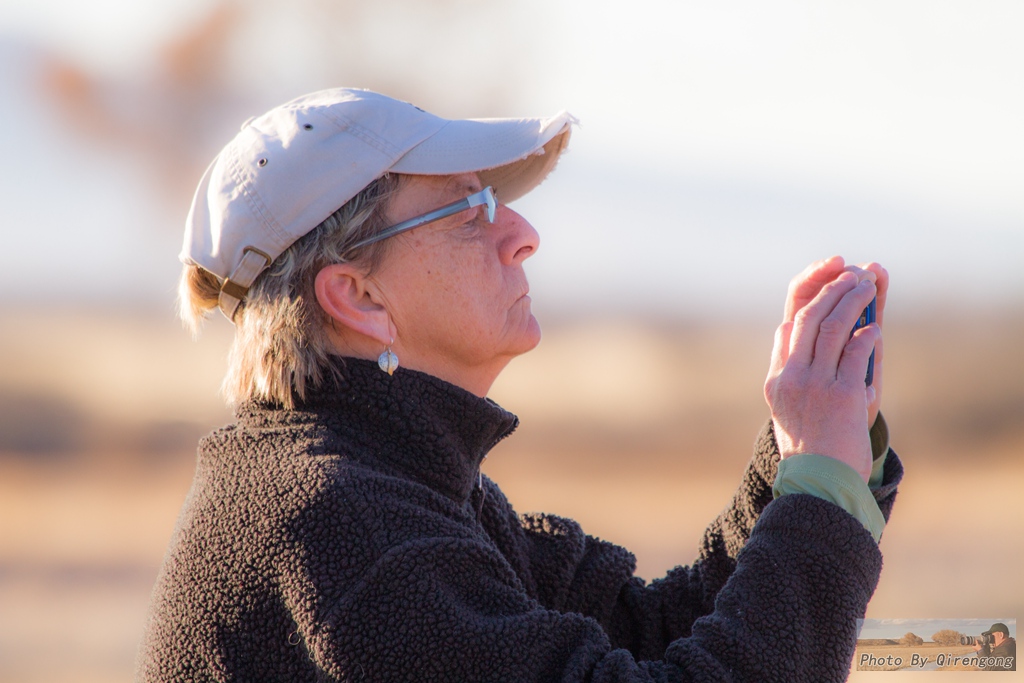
(485, 196)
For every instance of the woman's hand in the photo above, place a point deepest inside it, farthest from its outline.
(805, 286)
(815, 386)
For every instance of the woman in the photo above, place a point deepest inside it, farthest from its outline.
(342, 530)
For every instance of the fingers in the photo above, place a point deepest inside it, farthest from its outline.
(809, 319)
(853, 363)
(834, 330)
(881, 283)
(805, 286)
(861, 272)
(879, 353)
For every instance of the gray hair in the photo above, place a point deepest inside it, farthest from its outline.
(281, 347)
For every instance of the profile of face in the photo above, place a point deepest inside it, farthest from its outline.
(452, 293)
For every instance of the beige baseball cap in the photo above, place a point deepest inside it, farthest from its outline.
(291, 168)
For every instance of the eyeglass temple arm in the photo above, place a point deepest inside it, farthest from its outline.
(443, 212)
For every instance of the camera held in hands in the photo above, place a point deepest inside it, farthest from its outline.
(866, 318)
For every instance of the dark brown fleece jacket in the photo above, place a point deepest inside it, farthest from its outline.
(353, 539)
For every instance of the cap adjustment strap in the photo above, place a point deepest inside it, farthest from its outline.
(236, 286)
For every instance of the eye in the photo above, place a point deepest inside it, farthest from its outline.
(481, 219)
(474, 217)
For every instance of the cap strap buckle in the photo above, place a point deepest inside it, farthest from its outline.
(236, 286)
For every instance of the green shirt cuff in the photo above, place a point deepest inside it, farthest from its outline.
(830, 480)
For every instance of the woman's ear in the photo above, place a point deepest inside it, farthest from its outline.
(342, 294)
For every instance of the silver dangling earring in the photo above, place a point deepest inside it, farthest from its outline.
(388, 361)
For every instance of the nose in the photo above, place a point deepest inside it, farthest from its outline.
(517, 239)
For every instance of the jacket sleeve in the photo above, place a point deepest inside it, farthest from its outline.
(595, 578)
(446, 605)
(570, 571)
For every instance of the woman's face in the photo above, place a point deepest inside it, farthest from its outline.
(455, 289)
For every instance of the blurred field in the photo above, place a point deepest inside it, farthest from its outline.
(637, 429)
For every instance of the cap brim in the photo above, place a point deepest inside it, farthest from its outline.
(512, 155)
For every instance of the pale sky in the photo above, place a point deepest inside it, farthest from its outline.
(919, 98)
(722, 145)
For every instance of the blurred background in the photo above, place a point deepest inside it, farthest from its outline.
(722, 148)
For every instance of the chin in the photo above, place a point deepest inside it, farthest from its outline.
(529, 338)
(535, 339)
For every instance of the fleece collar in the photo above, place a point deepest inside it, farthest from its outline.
(425, 428)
